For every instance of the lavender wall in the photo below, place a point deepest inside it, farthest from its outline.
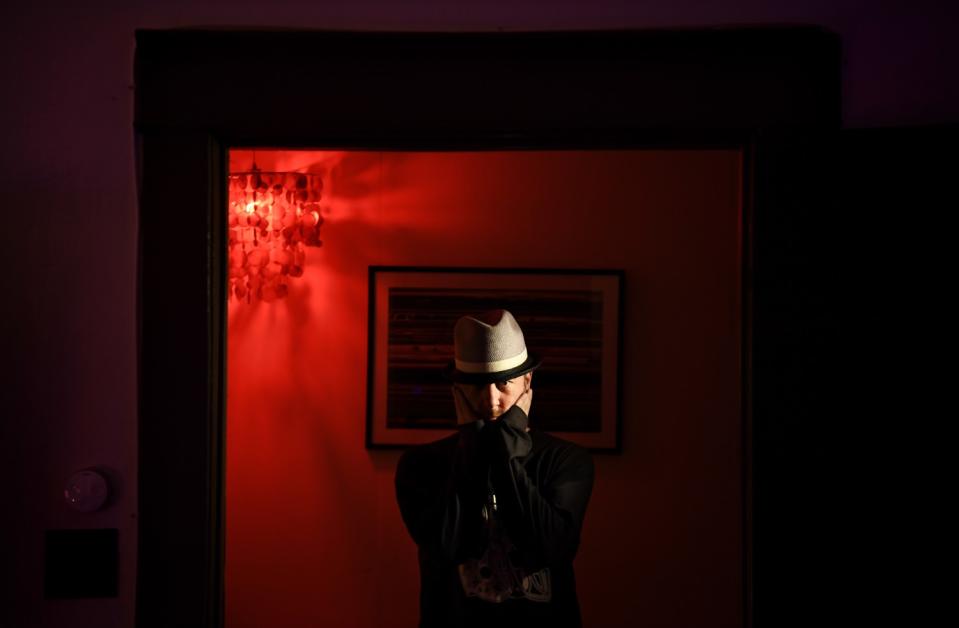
(68, 252)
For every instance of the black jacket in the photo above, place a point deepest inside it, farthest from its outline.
(541, 486)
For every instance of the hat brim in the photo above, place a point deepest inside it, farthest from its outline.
(453, 374)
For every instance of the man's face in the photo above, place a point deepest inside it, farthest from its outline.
(489, 401)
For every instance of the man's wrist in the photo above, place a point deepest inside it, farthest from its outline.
(516, 418)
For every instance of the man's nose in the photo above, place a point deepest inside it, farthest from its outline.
(491, 394)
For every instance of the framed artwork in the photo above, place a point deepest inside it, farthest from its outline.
(571, 318)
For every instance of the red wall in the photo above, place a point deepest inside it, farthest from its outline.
(313, 531)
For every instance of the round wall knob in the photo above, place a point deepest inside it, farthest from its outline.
(86, 491)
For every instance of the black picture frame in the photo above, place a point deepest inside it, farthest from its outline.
(571, 318)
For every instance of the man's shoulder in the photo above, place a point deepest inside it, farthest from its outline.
(560, 448)
(546, 439)
(425, 453)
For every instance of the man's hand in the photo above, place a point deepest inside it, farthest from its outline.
(525, 400)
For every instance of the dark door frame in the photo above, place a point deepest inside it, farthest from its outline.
(758, 90)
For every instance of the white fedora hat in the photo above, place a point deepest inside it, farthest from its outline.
(489, 348)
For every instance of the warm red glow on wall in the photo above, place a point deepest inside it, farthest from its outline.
(314, 536)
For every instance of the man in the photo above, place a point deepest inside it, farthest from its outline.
(495, 509)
